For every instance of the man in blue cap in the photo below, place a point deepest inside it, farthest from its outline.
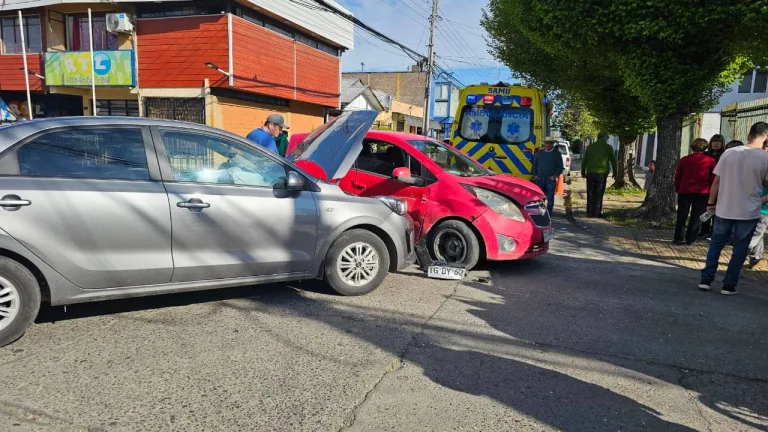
(265, 135)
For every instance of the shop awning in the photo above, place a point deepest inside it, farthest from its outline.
(418, 122)
(412, 121)
(5, 112)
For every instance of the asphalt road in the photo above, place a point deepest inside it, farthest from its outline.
(586, 338)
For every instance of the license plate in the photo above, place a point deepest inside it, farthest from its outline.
(451, 273)
(549, 234)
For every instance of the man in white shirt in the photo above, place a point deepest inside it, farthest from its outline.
(736, 198)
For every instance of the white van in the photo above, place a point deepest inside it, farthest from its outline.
(564, 147)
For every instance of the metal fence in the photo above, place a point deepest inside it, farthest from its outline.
(736, 119)
(184, 109)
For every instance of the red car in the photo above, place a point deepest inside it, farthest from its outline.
(465, 211)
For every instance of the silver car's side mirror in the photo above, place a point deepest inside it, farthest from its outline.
(294, 181)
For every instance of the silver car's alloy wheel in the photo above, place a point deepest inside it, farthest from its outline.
(9, 303)
(358, 264)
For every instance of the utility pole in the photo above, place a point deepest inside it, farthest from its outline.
(362, 66)
(430, 67)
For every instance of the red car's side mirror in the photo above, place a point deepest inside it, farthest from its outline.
(401, 172)
(403, 175)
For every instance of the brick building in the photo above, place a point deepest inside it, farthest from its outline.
(224, 63)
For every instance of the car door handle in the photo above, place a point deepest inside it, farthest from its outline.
(193, 204)
(14, 201)
(358, 186)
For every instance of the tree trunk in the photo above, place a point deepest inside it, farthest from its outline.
(625, 176)
(660, 201)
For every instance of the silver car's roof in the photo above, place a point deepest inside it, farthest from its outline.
(18, 131)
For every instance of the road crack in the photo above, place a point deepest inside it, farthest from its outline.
(399, 362)
(692, 397)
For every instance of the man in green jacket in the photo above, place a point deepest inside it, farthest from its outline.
(281, 141)
(599, 159)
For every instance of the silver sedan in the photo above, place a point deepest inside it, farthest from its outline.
(103, 208)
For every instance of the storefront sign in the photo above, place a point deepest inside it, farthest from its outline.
(73, 68)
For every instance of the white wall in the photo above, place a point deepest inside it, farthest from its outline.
(359, 103)
(363, 102)
(710, 125)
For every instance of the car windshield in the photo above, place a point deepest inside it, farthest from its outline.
(561, 148)
(450, 160)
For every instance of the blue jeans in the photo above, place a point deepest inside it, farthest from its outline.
(741, 230)
(548, 187)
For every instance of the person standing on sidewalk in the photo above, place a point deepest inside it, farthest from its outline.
(693, 178)
(757, 244)
(547, 167)
(736, 198)
(599, 159)
(650, 175)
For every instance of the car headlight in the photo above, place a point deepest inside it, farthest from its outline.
(396, 205)
(498, 202)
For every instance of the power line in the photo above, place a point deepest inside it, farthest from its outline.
(415, 56)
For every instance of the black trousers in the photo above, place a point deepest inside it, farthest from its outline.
(689, 208)
(595, 191)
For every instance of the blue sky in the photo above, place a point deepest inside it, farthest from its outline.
(459, 43)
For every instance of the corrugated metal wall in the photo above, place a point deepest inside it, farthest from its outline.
(737, 119)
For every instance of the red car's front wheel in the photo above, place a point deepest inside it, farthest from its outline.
(455, 243)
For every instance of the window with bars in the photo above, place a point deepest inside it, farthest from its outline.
(123, 108)
(10, 35)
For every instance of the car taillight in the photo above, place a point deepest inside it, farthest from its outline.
(568, 160)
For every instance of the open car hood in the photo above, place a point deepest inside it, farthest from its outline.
(335, 145)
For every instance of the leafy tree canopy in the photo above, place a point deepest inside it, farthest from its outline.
(674, 56)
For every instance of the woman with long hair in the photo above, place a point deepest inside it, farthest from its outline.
(716, 147)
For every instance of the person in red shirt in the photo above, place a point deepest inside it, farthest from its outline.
(693, 178)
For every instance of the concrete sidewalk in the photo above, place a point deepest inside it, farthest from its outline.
(650, 242)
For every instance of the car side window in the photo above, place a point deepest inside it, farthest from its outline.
(88, 153)
(381, 158)
(202, 158)
(418, 170)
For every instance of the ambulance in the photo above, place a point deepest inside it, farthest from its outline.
(501, 126)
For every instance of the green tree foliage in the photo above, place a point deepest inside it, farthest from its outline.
(573, 120)
(631, 61)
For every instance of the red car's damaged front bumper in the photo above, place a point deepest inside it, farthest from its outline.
(499, 232)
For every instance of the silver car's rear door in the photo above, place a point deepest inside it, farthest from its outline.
(89, 202)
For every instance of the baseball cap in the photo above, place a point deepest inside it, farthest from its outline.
(278, 120)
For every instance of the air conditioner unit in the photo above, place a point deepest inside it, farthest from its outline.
(119, 23)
